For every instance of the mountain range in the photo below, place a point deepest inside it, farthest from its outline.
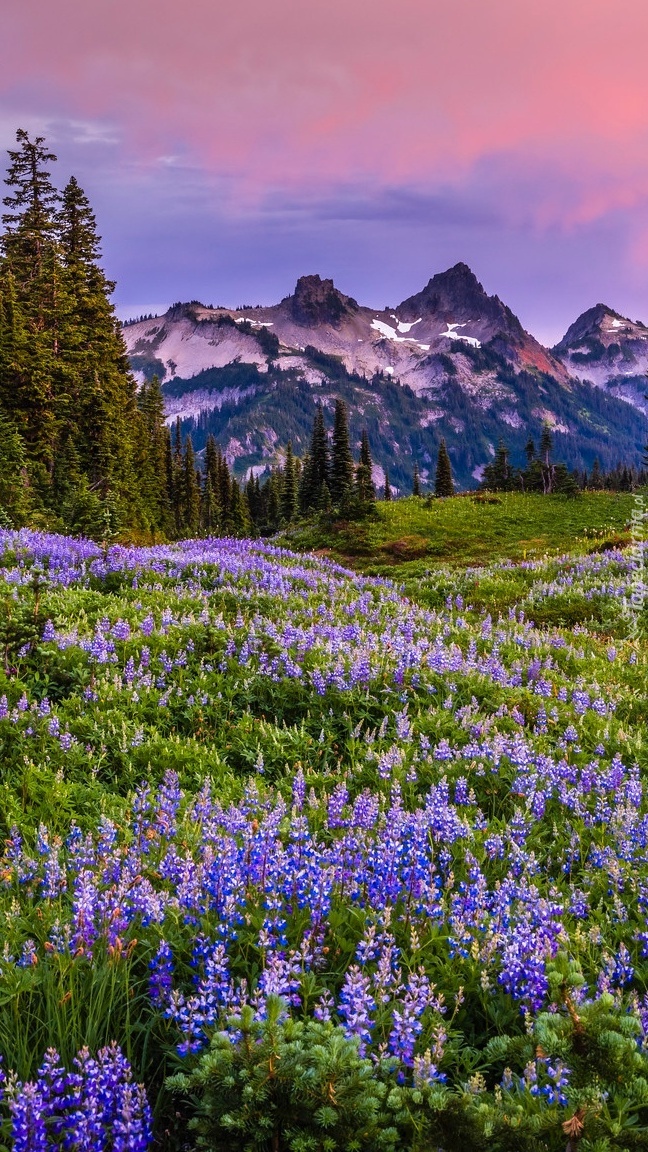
(450, 361)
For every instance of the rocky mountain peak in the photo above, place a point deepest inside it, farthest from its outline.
(457, 294)
(317, 301)
(603, 324)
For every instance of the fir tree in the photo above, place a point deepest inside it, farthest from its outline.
(29, 225)
(342, 461)
(317, 472)
(101, 389)
(14, 490)
(208, 507)
(365, 489)
(63, 362)
(190, 491)
(288, 504)
(151, 458)
(238, 523)
(498, 474)
(28, 286)
(546, 446)
(443, 484)
(416, 481)
(387, 492)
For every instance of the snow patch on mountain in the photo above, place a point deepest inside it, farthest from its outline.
(390, 333)
(452, 335)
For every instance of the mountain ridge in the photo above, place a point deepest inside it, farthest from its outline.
(461, 362)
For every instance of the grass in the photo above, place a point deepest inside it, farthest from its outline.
(409, 537)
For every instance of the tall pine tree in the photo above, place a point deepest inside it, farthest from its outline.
(443, 483)
(365, 490)
(342, 468)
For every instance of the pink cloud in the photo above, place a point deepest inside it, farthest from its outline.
(282, 92)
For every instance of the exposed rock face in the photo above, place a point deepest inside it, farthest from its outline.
(318, 301)
(472, 374)
(610, 351)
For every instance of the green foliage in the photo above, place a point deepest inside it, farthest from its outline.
(341, 459)
(87, 460)
(443, 482)
(286, 1085)
(466, 530)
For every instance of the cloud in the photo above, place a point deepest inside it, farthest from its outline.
(242, 143)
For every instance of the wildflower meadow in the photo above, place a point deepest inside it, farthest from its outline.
(296, 859)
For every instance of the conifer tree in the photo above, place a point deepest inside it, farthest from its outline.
(14, 491)
(239, 522)
(190, 491)
(443, 484)
(29, 225)
(498, 474)
(342, 468)
(151, 459)
(288, 504)
(548, 471)
(387, 492)
(208, 507)
(317, 471)
(177, 490)
(28, 279)
(272, 501)
(63, 362)
(224, 487)
(416, 481)
(93, 354)
(304, 486)
(365, 489)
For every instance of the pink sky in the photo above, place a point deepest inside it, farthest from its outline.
(495, 131)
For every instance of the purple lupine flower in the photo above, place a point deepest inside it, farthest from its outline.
(356, 1006)
(161, 977)
(28, 1131)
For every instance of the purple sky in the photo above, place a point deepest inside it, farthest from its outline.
(228, 149)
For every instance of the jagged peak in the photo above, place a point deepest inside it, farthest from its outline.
(459, 274)
(318, 301)
(589, 324)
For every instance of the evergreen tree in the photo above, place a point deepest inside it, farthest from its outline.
(288, 503)
(273, 488)
(100, 388)
(224, 488)
(239, 522)
(63, 362)
(416, 481)
(151, 458)
(342, 468)
(365, 489)
(190, 491)
(318, 469)
(208, 507)
(529, 451)
(14, 491)
(443, 484)
(387, 492)
(29, 225)
(498, 474)
(28, 287)
(177, 471)
(548, 471)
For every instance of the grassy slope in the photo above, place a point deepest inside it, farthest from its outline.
(411, 536)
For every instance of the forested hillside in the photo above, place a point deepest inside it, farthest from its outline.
(77, 449)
